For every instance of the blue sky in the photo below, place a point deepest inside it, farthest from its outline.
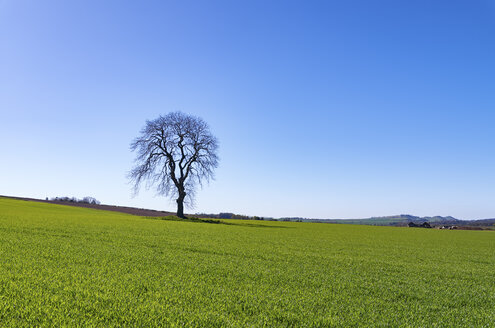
(324, 109)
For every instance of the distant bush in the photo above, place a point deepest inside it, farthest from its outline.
(233, 216)
(85, 200)
(91, 200)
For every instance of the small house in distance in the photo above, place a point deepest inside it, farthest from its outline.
(449, 227)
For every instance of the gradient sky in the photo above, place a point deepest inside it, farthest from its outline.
(323, 109)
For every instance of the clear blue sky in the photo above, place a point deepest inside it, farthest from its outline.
(325, 109)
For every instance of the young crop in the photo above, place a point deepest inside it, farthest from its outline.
(68, 266)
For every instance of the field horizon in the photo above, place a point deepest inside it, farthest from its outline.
(400, 220)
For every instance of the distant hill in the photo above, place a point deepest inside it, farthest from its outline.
(402, 220)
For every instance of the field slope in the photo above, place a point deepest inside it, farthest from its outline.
(69, 266)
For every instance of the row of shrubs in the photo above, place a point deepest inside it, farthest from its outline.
(233, 216)
(85, 200)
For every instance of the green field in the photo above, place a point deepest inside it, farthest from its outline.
(69, 266)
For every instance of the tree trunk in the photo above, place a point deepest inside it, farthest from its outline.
(180, 205)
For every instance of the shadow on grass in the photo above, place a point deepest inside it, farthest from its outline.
(215, 221)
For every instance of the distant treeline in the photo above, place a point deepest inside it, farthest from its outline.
(234, 216)
(247, 217)
(85, 200)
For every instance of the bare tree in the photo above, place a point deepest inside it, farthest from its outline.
(175, 153)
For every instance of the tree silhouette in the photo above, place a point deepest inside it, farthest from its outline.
(175, 153)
